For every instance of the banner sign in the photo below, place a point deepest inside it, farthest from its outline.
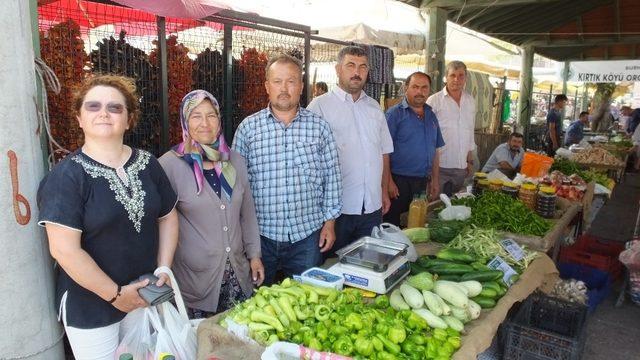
(604, 71)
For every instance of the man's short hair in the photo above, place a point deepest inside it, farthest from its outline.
(351, 50)
(560, 97)
(583, 113)
(516, 135)
(408, 80)
(455, 65)
(283, 59)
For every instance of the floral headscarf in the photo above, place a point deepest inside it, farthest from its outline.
(193, 152)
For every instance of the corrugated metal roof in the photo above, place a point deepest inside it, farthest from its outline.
(559, 29)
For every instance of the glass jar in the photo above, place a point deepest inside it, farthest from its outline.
(477, 177)
(527, 195)
(510, 189)
(495, 184)
(546, 202)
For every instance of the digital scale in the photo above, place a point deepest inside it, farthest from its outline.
(372, 264)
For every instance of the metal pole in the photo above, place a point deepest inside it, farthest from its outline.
(307, 69)
(575, 105)
(526, 82)
(164, 85)
(436, 45)
(550, 97)
(227, 56)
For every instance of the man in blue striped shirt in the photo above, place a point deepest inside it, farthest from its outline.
(294, 174)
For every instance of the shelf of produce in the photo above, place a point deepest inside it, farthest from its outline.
(617, 170)
(541, 274)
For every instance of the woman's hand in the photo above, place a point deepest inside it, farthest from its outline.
(163, 278)
(129, 298)
(257, 271)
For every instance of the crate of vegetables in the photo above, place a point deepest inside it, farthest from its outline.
(596, 253)
(546, 328)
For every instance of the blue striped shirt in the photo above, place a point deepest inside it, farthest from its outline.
(293, 171)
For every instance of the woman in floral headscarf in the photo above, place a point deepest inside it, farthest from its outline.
(217, 261)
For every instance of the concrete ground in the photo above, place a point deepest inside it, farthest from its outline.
(614, 332)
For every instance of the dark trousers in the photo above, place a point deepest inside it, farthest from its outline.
(290, 258)
(408, 186)
(350, 228)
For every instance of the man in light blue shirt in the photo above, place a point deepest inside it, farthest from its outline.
(507, 157)
(293, 169)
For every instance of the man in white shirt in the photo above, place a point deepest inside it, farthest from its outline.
(360, 129)
(456, 113)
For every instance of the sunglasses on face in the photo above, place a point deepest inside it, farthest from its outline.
(112, 107)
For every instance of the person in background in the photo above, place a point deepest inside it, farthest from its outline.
(507, 157)
(320, 88)
(108, 211)
(455, 109)
(364, 143)
(218, 257)
(416, 141)
(553, 135)
(575, 131)
(623, 121)
(633, 119)
(294, 174)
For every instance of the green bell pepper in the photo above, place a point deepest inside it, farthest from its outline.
(343, 346)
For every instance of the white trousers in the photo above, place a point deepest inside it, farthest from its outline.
(91, 344)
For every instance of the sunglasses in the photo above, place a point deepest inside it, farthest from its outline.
(95, 106)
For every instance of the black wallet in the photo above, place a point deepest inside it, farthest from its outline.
(153, 294)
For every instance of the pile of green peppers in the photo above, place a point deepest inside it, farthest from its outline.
(341, 322)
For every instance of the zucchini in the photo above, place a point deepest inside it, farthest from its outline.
(484, 302)
(474, 309)
(473, 287)
(432, 320)
(451, 269)
(432, 302)
(451, 294)
(489, 293)
(449, 277)
(455, 255)
(411, 295)
(453, 323)
(486, 275)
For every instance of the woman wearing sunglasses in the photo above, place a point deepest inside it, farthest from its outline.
(218, 256)
(108, 210)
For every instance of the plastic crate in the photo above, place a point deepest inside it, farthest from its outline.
(546, 328)
(596, 253)
(598, 282)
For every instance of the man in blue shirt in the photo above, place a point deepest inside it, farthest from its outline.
(416, 138)
(554, 125)
(507, 157)
(294, 173)
(575, 131)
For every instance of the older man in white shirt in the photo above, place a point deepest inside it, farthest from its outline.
(456, 112)
(362, 136)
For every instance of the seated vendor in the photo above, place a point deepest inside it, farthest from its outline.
(575, 132)
(506, 157)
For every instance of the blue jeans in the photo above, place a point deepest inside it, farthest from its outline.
(350, 228)
(292, 258)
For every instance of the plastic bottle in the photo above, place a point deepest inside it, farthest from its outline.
(125, 356)
(415, 213)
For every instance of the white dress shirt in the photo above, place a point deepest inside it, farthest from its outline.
(362, 137)
(457, 124)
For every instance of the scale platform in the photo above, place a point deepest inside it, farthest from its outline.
(372, 264)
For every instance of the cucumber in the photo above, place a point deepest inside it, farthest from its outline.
(484, 302)
(486, 275)
(479, 266)
(491, 285)
(503, 290)
(490, 293)
(451, 269)
(429, 263)
(449, 277)
(416, 268)
(455, 255)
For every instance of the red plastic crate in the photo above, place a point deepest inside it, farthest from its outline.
(596, 253)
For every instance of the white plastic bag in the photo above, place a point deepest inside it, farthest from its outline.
(390, 232)
(136, 338)
(288, 351)
(457, 212)
(181, 332)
